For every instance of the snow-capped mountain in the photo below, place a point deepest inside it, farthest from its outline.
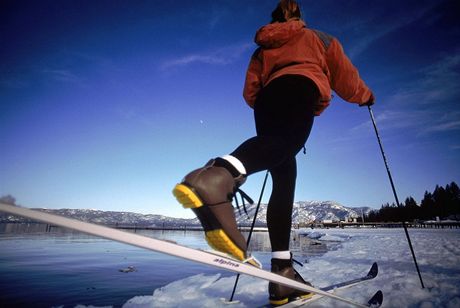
(111, 218)
(304, 212)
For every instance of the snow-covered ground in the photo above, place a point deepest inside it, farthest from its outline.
(437, 251)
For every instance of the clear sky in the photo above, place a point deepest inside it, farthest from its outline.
(108, 104)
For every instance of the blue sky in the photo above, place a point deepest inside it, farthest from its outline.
(108, 104)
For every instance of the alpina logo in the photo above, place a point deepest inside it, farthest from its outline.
(225, 262)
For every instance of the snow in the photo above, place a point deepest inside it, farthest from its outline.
(437, 251)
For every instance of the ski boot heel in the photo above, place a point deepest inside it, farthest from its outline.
(279, 302)
(187, 197)
(283, 301)
(307, 296)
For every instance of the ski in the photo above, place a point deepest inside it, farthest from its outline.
(375, 301)
(169, 248)
(373, 272)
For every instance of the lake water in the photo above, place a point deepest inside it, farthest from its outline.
(43, 267)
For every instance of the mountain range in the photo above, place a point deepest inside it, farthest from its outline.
(304, 212)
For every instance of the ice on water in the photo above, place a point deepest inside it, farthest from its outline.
(438, 253)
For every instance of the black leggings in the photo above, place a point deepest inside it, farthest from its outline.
(284, 113)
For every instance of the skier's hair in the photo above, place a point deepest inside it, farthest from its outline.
(285, 10)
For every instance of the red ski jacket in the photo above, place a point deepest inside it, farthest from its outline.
(291, 48)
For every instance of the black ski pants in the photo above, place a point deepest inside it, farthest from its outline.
(284, 113)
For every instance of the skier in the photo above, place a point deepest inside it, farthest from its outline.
(288, 83)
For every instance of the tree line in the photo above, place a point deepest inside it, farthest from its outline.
(442, 203)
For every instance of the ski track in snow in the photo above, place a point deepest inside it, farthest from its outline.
(437, 251)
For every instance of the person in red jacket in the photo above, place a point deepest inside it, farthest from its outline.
(288, 82)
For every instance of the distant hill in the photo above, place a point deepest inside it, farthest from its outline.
(111, 218)
(304, 212)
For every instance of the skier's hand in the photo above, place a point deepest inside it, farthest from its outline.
(369, 102)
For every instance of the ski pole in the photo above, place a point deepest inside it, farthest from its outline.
(250, 232)
(395, 195)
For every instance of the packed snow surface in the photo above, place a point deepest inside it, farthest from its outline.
(437, 251)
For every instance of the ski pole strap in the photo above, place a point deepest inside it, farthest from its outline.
(297, 262)
(244, 196)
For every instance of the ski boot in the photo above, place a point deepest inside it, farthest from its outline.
(209, 192)
(279, 294)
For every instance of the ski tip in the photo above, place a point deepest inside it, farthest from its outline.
(376, 300)
(373, 271)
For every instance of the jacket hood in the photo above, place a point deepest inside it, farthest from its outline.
(277, 34)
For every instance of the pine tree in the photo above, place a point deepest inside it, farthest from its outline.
(411, 209)
(453, 199)
(427, 206)
(443, 202)
(440, 200)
